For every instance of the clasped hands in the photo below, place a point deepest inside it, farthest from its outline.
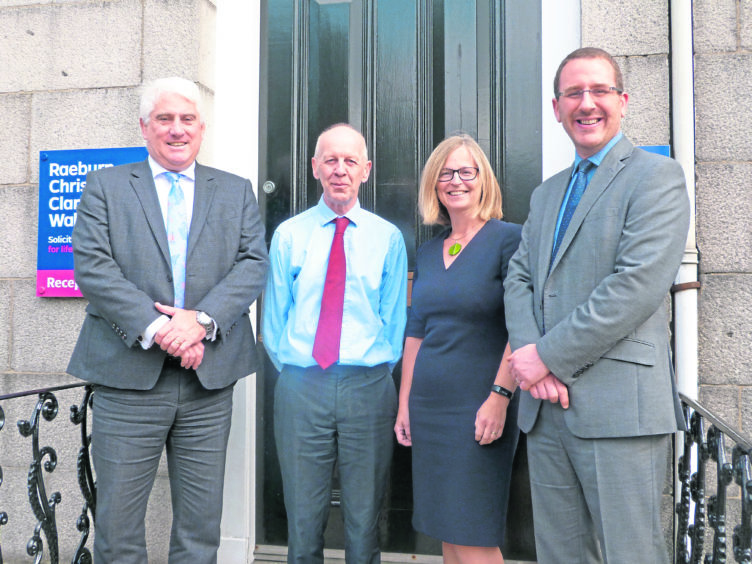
(534, 376)
(182, 336)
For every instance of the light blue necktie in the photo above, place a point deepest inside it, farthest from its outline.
(177, 235)
(579, 184)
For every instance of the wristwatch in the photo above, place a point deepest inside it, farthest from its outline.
(501, 390)
(206, 322)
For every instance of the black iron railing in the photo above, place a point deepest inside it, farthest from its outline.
(707, 468)
(43, 462)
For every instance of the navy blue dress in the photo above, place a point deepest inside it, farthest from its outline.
(460, 489)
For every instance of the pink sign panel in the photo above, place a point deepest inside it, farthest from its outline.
(57, 284)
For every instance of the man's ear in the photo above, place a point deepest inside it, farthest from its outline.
(367, 172)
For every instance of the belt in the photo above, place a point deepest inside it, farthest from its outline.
(338, 368)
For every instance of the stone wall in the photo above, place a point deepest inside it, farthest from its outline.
(637, 34)
(70, 78)
(723, 80)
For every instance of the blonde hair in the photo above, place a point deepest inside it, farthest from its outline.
(431, 209)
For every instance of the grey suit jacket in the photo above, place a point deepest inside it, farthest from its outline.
(122, 265)
(599, 317)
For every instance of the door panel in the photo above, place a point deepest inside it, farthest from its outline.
(395, 106)
(406, 73)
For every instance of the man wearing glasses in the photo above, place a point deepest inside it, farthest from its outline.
(588, 324)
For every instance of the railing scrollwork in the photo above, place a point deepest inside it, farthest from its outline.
(44, 460)
(743, 531)
(717, 502)
(85, 478)
(700, 448)
(3, 514)
(45, 457)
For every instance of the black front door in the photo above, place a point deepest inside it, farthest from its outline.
(406, 73)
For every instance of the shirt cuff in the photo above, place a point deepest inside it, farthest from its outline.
(147, 339)
(213, 335)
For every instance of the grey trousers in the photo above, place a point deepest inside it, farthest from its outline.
(596, 500)
(345, 415)
(130, 429)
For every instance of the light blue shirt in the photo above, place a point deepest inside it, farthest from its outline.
(375, 307)
(596, 159)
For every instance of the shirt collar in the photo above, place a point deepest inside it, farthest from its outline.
(326, 215)
(597, 158)
(157, 169)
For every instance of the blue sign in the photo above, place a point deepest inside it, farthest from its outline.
(62, 179)
(664, 150)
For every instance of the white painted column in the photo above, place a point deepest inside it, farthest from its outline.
(236, 132)
(683, 122)
(560, 35)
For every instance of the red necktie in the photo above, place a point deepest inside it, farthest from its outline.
(329, 330)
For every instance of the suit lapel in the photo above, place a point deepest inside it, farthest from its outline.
(548, 228)
(602, 178)
(204, 189)
(142, 183)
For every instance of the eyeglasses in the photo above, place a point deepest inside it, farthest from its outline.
(465, 173)
(594, 92)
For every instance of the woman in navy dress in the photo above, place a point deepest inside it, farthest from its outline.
(457, 408)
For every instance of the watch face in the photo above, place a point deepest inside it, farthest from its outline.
(204, 320)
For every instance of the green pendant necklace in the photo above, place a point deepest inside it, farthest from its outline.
(456, 248)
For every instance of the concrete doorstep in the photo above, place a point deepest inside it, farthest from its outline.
(268, 554)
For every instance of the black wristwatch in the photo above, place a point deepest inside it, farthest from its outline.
(206, 322)
(501, 390)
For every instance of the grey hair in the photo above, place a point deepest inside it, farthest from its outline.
(151, 91)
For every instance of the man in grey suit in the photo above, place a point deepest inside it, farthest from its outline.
(587, 317)
(170, 255)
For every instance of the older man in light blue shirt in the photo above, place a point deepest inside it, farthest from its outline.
(343, 412)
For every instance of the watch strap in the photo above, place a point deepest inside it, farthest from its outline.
(501, 390)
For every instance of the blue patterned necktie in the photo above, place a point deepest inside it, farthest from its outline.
(177, 235)
(578, 188)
